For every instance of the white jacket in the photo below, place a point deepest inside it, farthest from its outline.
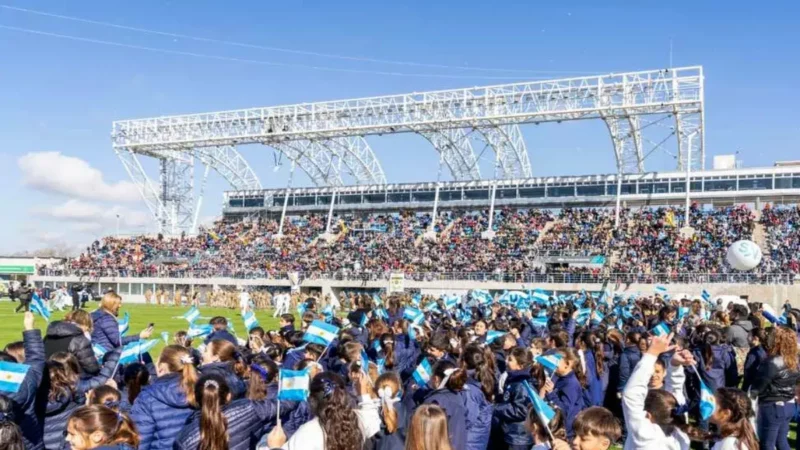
(310, 436)
(642, 433)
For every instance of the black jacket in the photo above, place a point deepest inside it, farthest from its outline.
(63, 336)
(28, 406)
(774, 382)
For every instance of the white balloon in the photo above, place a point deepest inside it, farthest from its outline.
(744, 255)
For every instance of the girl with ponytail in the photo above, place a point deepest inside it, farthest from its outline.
(10, 434)
(447, 383)
(136, 378)
(97, 427)
(394, 414)
(161, 409)
(104, 395)
(590, 353)
(733, 416)
(221, 358)
(428, 429)
(222, 422)
(336, 425)
(511, 410)
(478, 395)
(263, 384)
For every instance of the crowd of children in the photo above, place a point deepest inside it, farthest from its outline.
(401, 372)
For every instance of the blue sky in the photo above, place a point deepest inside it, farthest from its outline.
(59, 95)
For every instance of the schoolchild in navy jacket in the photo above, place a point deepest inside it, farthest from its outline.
(28, 403)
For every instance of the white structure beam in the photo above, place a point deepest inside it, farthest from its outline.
(456, 151)
(511, 153)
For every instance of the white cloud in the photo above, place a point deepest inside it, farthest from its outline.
(87, 216)
(73, 177)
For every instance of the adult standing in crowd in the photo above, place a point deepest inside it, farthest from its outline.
(25, 294)
(106, 327)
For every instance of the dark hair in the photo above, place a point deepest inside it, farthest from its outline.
(118, 428)
(218, 322)
(556, 426)
(64, 371)
(315, 349)
(591, 342)
(136, 377)
(105, 395)
(662, 408)
(759, 334)
(522, 356)
(263, 372)
(17, 350)
(329, 401)
(474, 358)
(458, 378)
(708, 339)
(258, 331)
(633, 338)
(440, 341)
(288, 318)
(560, 338)
(226, 352)
(387, 345)
(212, 394)
(599, 422)
(741, 410)
(664, 312)
(10, 433)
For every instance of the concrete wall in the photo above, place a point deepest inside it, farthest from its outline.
(775, 295)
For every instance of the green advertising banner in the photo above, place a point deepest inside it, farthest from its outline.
(17, 269)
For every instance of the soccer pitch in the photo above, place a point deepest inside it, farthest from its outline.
(165, 318)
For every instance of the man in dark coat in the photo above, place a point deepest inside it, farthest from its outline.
(25, 295)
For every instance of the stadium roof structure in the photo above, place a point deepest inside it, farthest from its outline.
(326, 139)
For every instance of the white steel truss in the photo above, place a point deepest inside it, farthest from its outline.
(322, 137)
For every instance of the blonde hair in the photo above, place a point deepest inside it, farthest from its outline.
(111, 302)
(178, 360)
(428, 429)
(81, 317)
(390, 381)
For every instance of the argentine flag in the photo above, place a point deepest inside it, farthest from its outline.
(451, 302)
(124, 324)
(198, 331)
(682, 312)
(321, 333)
(132, 352)
(416, 299)
(364, 362)
(381, 313)
(191, 315)
(708, 403)
(662, 329)
(99, 351)
(660, 290)
(543, 411)
(597, 317)
(493, 335)
(39, 307)
(293, 385)
(549, 362)
(301, 308)
(413, 315)
(539, 321)
(481, 296)
(165, 337)
(583, 315)
(381, 365)
(250, 320)
(541, 297)
(11, 376)
(422, 374)
(706, 296)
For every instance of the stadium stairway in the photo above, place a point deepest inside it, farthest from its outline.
(760, 231)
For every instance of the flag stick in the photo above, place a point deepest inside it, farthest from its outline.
(278, 399)
(323, 352)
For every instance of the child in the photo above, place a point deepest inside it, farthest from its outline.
(595, 429)
(220, 358)
(428, 429)
(394, 415)
(478, 394)
(630, 356)
(136, 377)
(220, 325)
(541, 436)
(106, 396)
(732, 415)
(98, 427)
(447, 382)
(511, 411)
(10, 434)
(286, 323)
(754, 358)
(567, 391)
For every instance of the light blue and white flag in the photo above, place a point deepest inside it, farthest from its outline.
(414, 315)
(191, 315)
(293, 385)
(481, 296)
(583, 316)
(250, 320)
(549, 362)
(451, 301)
(708, 403)
(540, 296)
(539, 321)
(422, 374)
(493, 335)
(706, 296)
(196, 331)
(416, 299)
(38, 306)
(597, 317)
(682, 312)
(99, 351)
(381, 313)
(376, 300)
(543, 411)
(165, 337)
(363, 321)
(124, 324)
(662, 329)
(133, 351)
(381, 366)
(364, 362)
(432, 307)
(328, 313)
(11, 376)
(660, 290)
(321, 333)
(301, 308)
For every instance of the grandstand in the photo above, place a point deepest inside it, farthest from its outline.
(510, 232)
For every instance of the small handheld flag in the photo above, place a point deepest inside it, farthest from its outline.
(198, 331)
(708, 403)
(39, 307)
(124, 324)
(381, 313)
(165, 337)
(662, 329)
(422, 374)
(660, 290)
(493, 335)
(191, 315)
(293, 385)
(543, 411)
(99, 351)
(321, 333)
(11, 376)
(133, 351)
(250, 320)
(364, 362)
(550, 362)
(413, 315)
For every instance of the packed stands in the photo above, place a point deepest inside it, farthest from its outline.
(783, 239)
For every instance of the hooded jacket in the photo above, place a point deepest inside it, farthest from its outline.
(63, 336)
(28, 403)
(738, 333)
(511, 410)
(453, 405)
(225, 370)
(160, 412)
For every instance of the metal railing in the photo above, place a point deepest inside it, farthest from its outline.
(525, 278)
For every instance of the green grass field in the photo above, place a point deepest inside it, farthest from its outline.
(165, 318)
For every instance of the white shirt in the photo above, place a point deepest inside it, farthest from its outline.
(311, 437)
(642, 433)
(729, 443)
(244, 299)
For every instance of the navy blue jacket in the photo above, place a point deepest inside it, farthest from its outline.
(244, 418)
(293, 357)
(224, 335)
(594, 392)
(59, 410)
(627, 361)
(115, 447)
(160, 412)
(453, 405)
(568, 395)
(479, 414)
(716, 373)
(384, 440)
(225, 370)
(28, 407)
(106, 331)
(406, 352)
(297, 418)
(512, 409)
(755, 356)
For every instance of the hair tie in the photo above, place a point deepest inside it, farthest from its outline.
(261, 371)
(113, 404)
(447, 374)
(5, 417)
(186, 359)
(327, 388)
(211, 383)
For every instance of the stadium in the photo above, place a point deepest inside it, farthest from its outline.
(354, 229)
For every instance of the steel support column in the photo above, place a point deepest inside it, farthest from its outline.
(511, 153)
(456, 150)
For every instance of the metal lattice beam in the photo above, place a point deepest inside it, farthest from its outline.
(511, 153)
(456, 151)
(627, 139)
(231, 165)
(358, 157)
(322, 166)
(177, 191)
